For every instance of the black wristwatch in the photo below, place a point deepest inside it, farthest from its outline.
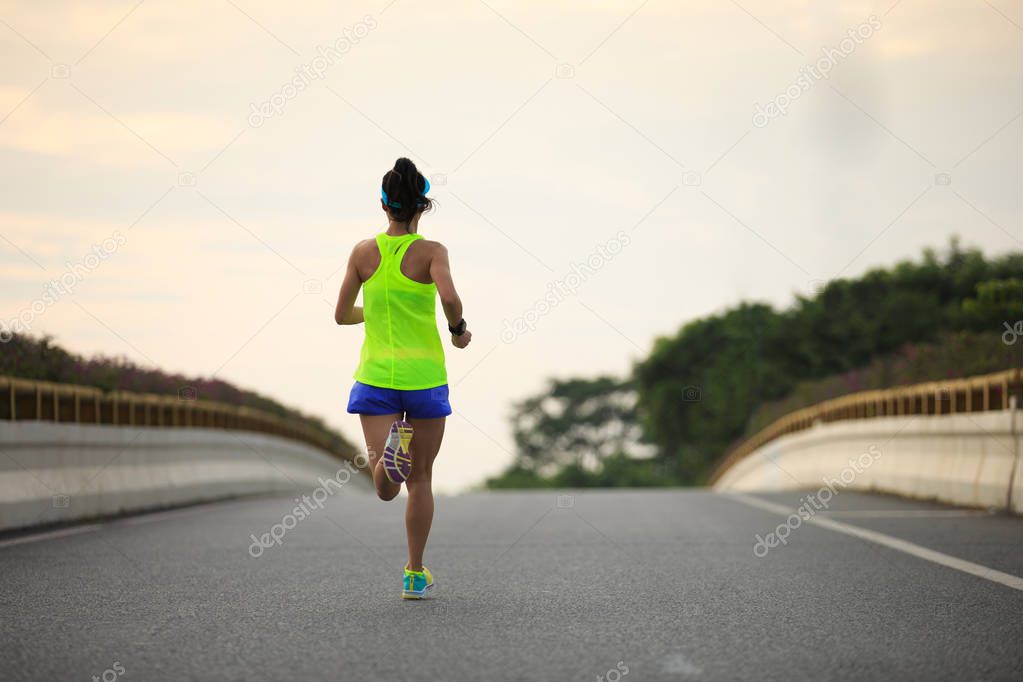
(458, 329)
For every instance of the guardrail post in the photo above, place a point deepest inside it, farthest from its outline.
(1013, 431)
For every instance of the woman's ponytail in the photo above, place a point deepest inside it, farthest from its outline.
(403, 187)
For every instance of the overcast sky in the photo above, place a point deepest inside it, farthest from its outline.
(622, 134)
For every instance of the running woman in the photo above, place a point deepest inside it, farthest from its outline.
(401, 389)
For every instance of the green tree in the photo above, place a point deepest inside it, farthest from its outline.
(998, 304)
(574, 422)
(696, 392)
(752, 354)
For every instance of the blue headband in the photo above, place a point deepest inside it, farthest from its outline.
(397, 204)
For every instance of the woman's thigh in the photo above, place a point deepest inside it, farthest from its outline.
(375, 428)
(427, 435)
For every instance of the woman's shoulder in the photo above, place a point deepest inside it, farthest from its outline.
(365, 253)
(431, 245)
(365, 245)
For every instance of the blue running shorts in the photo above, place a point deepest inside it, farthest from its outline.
(427, 403)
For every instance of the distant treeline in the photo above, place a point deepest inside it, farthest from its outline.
(40, 358)
(722, 377)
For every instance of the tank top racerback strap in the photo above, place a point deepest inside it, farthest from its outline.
(392, 249)
(399, 253)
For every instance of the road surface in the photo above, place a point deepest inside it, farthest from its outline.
(633, 585)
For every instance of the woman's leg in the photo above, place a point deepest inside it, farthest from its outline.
(375, 428)
(426, 439)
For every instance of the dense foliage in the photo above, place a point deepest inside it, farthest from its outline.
(39, 358)
(703, 388)
(957, 354)
(575, 422)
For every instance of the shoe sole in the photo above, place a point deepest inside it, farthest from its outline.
(396, 458)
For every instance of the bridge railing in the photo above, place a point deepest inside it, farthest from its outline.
(32, 400)
(953, 396)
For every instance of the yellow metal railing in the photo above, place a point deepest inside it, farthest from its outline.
(26, 399)
(954, 396)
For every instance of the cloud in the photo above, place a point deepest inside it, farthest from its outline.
(66, 124)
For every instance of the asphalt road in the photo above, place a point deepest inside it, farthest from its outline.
(636, 585)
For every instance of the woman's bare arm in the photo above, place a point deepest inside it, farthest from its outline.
(440, 272)
(346, 312)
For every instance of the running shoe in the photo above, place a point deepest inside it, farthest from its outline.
(397, 456)
(417, 583)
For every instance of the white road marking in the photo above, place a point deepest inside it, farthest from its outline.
(127, 520)
(60, 532)
(910, 548)
(903, 513)
(678, 664)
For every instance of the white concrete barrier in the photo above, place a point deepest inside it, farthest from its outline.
(969, 459)
(63, 472)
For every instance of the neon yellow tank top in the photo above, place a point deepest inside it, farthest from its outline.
(402, 349)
